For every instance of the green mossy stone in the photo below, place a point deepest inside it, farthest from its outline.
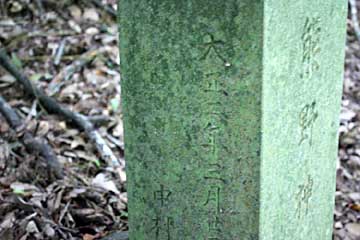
(231, 111)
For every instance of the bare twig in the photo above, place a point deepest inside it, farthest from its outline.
(99, 119)
(354, 18)
(75, 66)
(60, 52)
(32, 144)
(40, 7)
(44, 58)
(3, 11)
(22, 36)
(52, 106)
(67, 72)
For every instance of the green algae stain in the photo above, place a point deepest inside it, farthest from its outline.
(192, 88)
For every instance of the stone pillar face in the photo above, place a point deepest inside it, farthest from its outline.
(230, 111)
(302, 83)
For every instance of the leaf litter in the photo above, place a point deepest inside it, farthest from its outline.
(71, 52)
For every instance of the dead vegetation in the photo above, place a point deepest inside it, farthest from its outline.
(67, 50)
(347, 210)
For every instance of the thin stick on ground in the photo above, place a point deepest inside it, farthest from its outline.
(67, 72)
(60, 52)
(32, 144)
(40, 7)
(354, 18)
(52, 106)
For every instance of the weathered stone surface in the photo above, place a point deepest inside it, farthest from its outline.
(302, 82)
(231, 112)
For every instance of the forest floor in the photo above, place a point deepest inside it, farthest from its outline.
(347, 198)
(70, 50)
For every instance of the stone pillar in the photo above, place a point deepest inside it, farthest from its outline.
(231, 114)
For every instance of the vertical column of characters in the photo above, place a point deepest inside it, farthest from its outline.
(162, 224)
(213, 91)
(311, 37)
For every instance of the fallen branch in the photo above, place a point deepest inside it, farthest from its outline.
(67, 72)
(354, 18)
(52, 106)
(26, 36)
(43, 58)
(99, 119)
(34, 145)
